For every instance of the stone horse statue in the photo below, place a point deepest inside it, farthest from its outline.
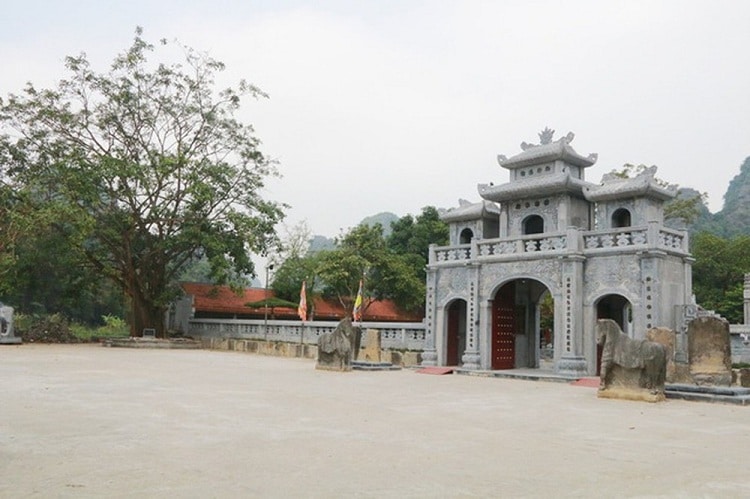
(337, 349)
(632, 369)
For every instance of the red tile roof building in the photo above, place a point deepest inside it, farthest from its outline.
(217, 302)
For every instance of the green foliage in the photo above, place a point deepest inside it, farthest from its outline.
(138, 171)
(114, 327)
(718, 273)
(412, 238)
(392, 267)
(363, 253)
(734, 218)
(114, 323)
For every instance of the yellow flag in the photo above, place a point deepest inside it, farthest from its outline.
(357, 312)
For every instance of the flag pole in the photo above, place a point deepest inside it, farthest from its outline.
(302, 311)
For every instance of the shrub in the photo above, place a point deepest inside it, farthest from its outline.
(45, 329)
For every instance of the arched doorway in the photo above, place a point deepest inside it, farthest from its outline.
(455, 343)
(619, 309)
(518, 316)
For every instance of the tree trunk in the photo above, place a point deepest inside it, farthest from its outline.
(145, 315)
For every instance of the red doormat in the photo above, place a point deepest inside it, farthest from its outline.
(435, 370)
(590, 382)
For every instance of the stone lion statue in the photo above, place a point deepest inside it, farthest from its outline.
(633, 369)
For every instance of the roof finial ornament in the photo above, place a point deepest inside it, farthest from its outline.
(545, 136)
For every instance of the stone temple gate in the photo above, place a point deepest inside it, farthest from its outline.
(531, 267)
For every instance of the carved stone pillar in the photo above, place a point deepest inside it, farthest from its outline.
(470, 358)
(570, 341)
(429, 354)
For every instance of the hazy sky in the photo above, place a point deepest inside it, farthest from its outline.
(395, 105)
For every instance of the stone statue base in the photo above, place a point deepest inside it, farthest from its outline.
(631, 394)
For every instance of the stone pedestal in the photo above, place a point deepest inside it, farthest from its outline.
(572, 366)
(369, 350)
(429, 357)
(470, 361)
(709, 351)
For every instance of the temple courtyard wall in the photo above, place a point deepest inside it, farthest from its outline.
(87, 421)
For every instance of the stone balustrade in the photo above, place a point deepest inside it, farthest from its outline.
(740, 343)
(652, 236)
(393, 335)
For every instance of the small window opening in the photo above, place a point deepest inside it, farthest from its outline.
(621, 218)
(466, 236)
(533, 224)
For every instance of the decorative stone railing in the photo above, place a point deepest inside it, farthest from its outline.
(652, 236)
(536, 243)
(452, 253)
(393, 335)
(617, 238)
(673, 240)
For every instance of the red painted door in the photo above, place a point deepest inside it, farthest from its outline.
(503, 328)
(451, 356)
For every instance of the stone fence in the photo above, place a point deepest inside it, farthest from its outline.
(740, 342)
(394, 336)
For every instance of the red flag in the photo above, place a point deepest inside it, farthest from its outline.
(302, 308)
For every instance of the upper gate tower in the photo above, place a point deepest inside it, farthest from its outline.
(545, 192)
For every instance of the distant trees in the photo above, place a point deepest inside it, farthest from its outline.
(133, 173)
(718, 273)
(392, 268)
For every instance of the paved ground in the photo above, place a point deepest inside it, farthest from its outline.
(87, 421)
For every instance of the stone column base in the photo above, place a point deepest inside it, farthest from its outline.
(470, 360)
(429, 358)
(572, 366)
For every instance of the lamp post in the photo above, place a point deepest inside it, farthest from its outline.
(265, 305)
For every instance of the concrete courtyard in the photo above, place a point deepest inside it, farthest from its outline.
(87, 421)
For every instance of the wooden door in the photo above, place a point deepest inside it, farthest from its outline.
(452, 353)
(503, 328)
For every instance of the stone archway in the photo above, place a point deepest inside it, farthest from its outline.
(617, 308)
(620, 310)
(517, 336)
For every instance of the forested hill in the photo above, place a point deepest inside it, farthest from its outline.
(734, 218)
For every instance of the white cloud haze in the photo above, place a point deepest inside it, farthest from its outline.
(392, 106)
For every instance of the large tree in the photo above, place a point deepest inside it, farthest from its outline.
(362, 254)
(141, 169)
(412, 238)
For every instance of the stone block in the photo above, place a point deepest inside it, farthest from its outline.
(666, 337)
(369, 350)
(630, 369)
(709, 351)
